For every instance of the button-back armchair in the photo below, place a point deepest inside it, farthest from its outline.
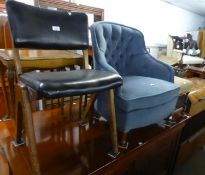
(148, 94)
(38, 28)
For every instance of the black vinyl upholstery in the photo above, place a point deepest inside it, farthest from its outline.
(39, 28)
(70, 83)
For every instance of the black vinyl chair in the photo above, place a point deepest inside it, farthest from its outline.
(37, 28)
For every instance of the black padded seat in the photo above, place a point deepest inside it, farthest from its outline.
(70, 83)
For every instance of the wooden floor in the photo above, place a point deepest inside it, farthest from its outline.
(64, 147)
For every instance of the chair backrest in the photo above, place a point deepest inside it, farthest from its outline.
(39, 28)
(117, 44)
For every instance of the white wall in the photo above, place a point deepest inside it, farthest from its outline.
(31, 2)
(156, 19)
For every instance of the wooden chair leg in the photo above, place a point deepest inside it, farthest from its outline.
(113, 128)
(28, 120)
(123, 142)
(19, 119)
(19, 126)
(90, 103)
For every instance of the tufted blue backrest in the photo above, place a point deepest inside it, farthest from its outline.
(117, 45)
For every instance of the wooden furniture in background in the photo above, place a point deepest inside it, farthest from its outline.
(5, 42)
(5, 38)
(4, 101)
(31, 60)
(193, 70)
(3, 20)
(201, 42)
(69, 6)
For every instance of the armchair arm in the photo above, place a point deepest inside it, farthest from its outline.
(158, 69)
(147, 65)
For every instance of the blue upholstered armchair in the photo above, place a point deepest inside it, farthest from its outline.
(148, 94)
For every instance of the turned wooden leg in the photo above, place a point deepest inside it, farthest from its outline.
(113, 127)
(123, 142)
(28, 120)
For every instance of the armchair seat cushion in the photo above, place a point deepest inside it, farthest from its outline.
(70, 83)
(138, 92)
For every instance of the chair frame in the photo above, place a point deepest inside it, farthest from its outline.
(25, 116)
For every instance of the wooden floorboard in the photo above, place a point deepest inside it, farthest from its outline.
(65, 147)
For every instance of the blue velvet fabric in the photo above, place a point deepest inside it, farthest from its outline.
(121, 49)
(147, 94)
(138, 92)
(144, 117)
